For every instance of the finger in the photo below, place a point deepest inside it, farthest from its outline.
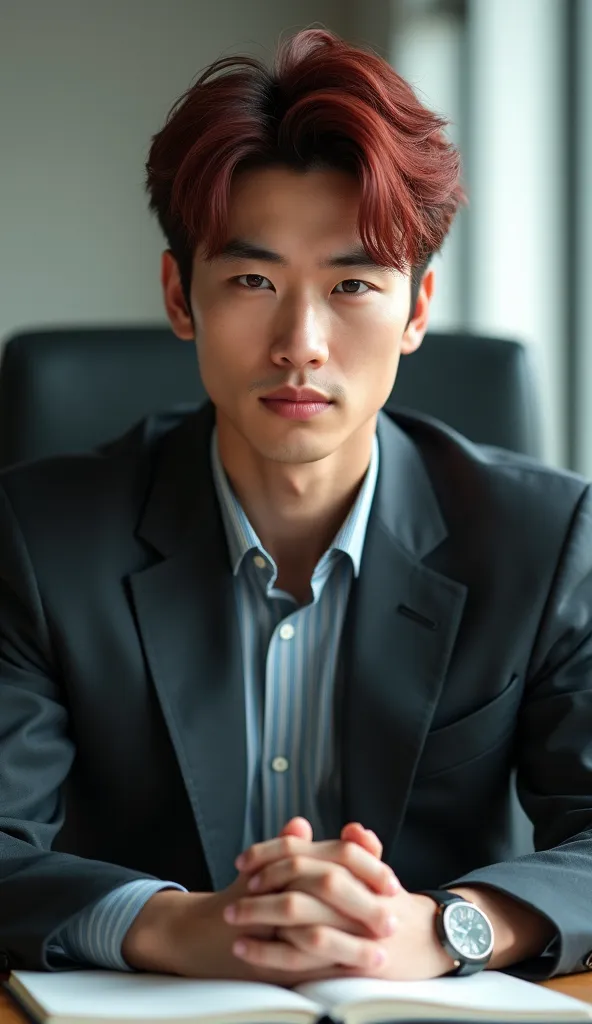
(333, 885)
(284, 910)
(351, 900)
(356, 833)
(334, 946)
(279, 955)
(260, 854)
(299, 827)
(359, 862)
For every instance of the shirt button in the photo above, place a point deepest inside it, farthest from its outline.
(287, 631)
(280, 764)
(259, 561)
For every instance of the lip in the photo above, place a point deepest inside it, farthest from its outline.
(296, 403)
(297, 395)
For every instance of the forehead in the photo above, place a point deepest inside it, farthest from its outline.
(279, 205)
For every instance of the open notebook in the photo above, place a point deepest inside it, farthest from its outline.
(108, 997)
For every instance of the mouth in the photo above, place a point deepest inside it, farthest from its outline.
(293, 404)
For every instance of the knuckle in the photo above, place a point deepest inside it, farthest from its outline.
(316, 938)
(328, 884)
(289, 957)
(349, 854)
(367, 957)
(382, 918)
(379, 909)
(264, 876)
(244, 910)
(290, 904)
(258, 954)
(288, 845)
(296, 864)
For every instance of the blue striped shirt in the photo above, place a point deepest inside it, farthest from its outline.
(292, 669)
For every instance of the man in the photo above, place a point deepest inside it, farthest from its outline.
(245, 630)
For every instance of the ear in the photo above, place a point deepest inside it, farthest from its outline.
(418, 325)
(174, 300)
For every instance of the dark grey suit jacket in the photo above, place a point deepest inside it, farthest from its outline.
(467, 653)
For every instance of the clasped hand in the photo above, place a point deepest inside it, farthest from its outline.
(297, 911)
(330, 909)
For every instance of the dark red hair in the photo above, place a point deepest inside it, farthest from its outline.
(324, 103)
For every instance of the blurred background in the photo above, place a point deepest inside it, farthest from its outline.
(85, 83)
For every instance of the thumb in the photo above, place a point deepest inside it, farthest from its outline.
(299, 827)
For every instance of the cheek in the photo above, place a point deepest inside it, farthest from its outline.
(217, 320)
(372, 354)
(224, 330)
(370, 369)
(230, 351)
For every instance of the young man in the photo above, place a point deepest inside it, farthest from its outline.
(248, 629)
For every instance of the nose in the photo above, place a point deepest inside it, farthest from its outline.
(300, 336)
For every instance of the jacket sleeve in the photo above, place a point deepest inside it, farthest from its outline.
(554, 761)
(40, 890)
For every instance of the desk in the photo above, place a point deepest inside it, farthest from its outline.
(577, 985)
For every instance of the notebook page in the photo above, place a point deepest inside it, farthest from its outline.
(490, 991)
(112, 995)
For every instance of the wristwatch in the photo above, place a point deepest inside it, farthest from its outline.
(463, 929)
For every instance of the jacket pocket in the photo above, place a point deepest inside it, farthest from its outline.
(472, 735)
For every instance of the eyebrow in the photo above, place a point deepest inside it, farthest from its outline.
(240, 249)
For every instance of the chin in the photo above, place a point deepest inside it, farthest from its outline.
(282, 441)
(294, 451)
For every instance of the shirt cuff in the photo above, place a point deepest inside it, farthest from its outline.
(95, 935)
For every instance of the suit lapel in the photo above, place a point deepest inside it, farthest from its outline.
(400, 631)
(398, 638)
(186, 612)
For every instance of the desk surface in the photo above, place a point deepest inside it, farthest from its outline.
(577, 985)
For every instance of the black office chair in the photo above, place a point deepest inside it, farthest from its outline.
(69, 390)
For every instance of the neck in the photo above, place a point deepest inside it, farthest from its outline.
(296, 509)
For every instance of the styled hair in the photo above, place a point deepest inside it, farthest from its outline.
(324, 103)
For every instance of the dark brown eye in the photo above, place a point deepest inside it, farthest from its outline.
(352, 286)
(254, 282)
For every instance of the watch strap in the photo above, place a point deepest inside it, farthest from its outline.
(442, 896)
(462, 967)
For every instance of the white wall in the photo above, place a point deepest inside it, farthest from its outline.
(426, 49)
(83, 86)
(501, 270)
(516, 186)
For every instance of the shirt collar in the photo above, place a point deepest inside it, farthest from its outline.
(242, 538)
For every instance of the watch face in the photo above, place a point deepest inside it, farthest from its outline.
(468, 930)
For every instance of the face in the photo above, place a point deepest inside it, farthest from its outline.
(294, 303)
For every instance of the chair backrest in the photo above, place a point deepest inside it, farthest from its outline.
(69, 390)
